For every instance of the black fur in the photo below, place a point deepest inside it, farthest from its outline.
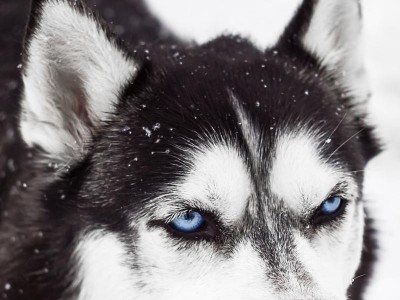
(187, 90)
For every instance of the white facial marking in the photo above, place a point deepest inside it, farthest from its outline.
(299, 176)
(219, 179)
(262, 21)
(71, 65)
(104, 271)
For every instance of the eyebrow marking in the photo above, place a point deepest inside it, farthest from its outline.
(299, 175)
(218, 172)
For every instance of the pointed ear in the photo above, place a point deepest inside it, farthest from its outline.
(74, 73)
(330, 31)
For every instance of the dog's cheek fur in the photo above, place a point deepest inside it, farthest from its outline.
(104, 270)
(185, 269)
(332, 257)
(163, 268)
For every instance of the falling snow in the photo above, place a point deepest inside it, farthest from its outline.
(147, 131)
(156, 126)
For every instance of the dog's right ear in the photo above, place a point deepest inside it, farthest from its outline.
(329, 32)
(74, 73)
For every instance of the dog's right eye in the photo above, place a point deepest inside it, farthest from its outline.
(331, 205)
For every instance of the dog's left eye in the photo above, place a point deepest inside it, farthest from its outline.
(331, 209)
(189, 222)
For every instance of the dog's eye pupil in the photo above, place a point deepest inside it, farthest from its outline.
(331, 205)
(188, 222)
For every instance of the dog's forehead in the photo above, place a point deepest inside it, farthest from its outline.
(237, 130)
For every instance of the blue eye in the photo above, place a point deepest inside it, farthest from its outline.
(331, 205)
(188, 222)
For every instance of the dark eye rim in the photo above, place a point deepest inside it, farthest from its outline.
(208, 231)
(318, 218)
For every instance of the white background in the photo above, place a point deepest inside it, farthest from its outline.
(382, 49)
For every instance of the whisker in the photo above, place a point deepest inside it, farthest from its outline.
(357, 171)
(337, 126)
(345, 142)
(357, 277)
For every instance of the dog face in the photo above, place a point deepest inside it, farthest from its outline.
(214, 171)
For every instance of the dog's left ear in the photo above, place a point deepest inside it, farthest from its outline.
(330, 31)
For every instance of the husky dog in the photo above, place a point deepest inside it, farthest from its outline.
(168, 170)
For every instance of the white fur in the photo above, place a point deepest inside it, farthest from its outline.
(104, 271)
(202, 20)
(299, 175)
(199, 272)
(250, 130)
(71, 64)
(334, 36)
(166, 272)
